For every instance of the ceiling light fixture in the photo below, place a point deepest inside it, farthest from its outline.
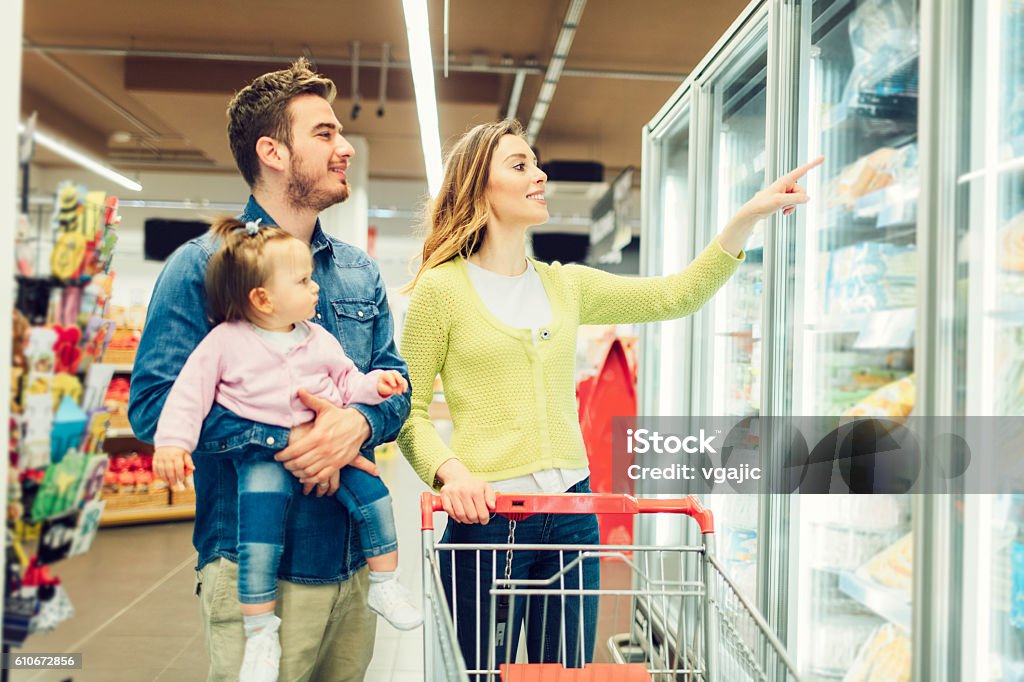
(417, 30)
(81, 158)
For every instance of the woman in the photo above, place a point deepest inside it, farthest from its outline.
(500, 329)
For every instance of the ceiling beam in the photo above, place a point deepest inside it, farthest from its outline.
(193, 75)
(505, 67)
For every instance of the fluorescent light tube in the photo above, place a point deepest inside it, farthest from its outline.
(417, 28)
(81, 158)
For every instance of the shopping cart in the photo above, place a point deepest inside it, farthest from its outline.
(684, 619)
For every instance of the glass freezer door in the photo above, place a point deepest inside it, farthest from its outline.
(990, 329)
(732, 379)
(855, 295)
(739, 139)
(668, 241)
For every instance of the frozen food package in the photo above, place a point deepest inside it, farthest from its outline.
(863, 512)
(883, 37)
(1011, 245)
(892, 400)
(867, 174)
(893, 567)
(845, 548)
(884, 656)
(837, 640)
(1017, 585)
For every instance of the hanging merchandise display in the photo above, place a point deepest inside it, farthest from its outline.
(57, 463)
(608, 394)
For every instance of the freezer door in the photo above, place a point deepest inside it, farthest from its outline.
(990, 324)
(729, 361)
(854, 323)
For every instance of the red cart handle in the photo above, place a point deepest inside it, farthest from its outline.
(518, 507)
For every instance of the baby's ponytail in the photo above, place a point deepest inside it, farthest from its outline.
(238, 266)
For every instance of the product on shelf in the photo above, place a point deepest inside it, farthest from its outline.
(1016, 590)
(837, 639)
(863, 512)
(870, 276)
(56, 472)
(883, 39)
(892, 400)
(1011, 245)
(840, 548)
(894, 566)
(867, 174)
(885, 656)
(123, 346)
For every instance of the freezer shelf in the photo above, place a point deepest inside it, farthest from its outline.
(891, 604)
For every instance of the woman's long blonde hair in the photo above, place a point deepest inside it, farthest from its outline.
(456, 221)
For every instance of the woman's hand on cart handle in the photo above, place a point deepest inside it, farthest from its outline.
(465, 497)
(784, 194)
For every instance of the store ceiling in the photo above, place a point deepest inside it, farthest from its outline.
(101, 74)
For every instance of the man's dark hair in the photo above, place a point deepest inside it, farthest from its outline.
(261, 109)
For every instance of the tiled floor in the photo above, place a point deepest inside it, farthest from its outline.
(136, 618)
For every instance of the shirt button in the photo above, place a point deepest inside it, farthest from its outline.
(360, 313)
(270, 440)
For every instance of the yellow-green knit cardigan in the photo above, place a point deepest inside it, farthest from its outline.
(513, 399)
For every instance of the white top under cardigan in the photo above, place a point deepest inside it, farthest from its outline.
(521, 303)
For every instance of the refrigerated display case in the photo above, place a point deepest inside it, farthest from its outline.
(739, 102)
(897, 292)
(665, 250)
(854, 311)
(990, 308)
(734, 97)
(704, 157)
(662, 367)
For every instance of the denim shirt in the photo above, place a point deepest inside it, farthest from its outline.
(321, 546)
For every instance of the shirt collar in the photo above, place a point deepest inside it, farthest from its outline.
(253, 211)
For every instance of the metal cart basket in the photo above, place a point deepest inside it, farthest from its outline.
(684, 619)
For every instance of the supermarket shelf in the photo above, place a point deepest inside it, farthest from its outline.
(902, 75)
(895, 204)
(1014, 316)
(1009, 166)
(126, 517)
(850, 323)
(872, 122)
(836, 237)
(119, 368)
(857, 323)
(891, 604)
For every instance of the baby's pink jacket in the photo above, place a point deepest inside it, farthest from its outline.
(235, 367)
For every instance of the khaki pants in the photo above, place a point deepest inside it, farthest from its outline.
(327, 631)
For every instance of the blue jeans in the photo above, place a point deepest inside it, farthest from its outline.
(472, 600)
(265, 490)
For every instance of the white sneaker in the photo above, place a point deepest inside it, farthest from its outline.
(262, 658)
(394, 603)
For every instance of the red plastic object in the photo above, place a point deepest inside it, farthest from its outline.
(515, 506)
(554, 672)
(609, 394)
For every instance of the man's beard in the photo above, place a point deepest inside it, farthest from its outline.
(303, 193)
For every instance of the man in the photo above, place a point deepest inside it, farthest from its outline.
(288, 145)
